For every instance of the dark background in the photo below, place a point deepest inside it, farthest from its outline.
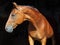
(49, 8)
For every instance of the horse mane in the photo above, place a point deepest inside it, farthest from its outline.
(34, 13)
(33, 9)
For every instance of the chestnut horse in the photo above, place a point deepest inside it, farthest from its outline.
(39, 28)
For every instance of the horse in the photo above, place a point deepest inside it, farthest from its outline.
(38, 29)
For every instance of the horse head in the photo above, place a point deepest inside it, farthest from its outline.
(16, 17)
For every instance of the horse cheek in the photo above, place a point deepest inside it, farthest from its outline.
(20, 20)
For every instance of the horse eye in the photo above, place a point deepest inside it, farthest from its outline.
(13, 15)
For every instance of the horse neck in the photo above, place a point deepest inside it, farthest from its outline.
(34, 17)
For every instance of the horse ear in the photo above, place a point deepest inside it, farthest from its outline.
(14, 3)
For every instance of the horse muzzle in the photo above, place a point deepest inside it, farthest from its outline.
(9, 29)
